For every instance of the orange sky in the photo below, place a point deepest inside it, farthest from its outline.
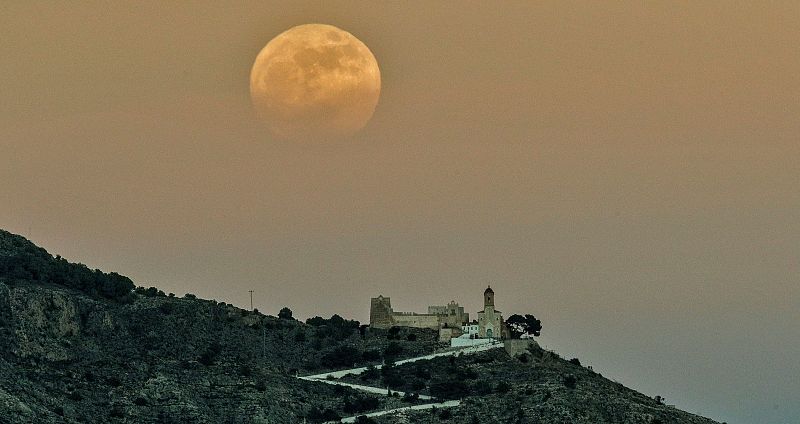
(629, 172)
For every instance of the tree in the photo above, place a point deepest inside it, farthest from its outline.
(392, 351)
(285, 313)
(341, 356)
(523, 326)
(316, 321)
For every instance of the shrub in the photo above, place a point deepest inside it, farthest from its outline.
(392, 351)
(410, 397)
(502, 387)
(570, 381)
(417, 384)
(167, 308)
(371, 355)
(189, 296)
(116, 411)
(150, 292)
(140, 401)
(393, 333)
(411, 337)
(575, 361)
(445, 414)
(363, 419)
(358, 404)
(391, 376)
(245, 370)
(341, 356)
(335, 327)
(316, 415)
(371, 373)
(209, 356)
(449, 388)
(422, 371)
(316, 321)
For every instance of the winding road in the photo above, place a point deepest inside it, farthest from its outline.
(332, 376)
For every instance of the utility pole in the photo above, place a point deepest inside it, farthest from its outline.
(251, 299)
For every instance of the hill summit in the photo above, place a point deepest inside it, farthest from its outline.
(80, 345)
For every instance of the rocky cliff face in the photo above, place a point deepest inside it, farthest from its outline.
(76, 351)
(69, 358)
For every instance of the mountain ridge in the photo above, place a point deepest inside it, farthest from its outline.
(83, 345)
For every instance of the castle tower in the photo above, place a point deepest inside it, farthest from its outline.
(488, 297)
(380, 312)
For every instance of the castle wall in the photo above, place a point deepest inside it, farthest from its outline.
(417, 321)
(381, 315)
(453, 321)
(451, 315)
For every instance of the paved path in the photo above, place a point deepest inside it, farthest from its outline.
(360, 370)
(329, 378)
(369, 389)
(448, 404)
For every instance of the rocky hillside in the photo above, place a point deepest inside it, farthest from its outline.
(80, 345)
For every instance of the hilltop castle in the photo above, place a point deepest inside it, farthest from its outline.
(450, 320)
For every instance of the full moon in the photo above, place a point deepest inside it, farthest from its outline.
(315, 81)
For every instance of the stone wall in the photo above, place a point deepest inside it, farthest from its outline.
(418, 321)
(517, 347)
(447, 333)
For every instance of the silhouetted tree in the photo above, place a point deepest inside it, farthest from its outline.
(285, 313)
(526, 325)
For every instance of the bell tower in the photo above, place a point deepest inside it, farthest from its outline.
(488, 297)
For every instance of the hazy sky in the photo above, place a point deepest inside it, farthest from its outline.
(629, 172)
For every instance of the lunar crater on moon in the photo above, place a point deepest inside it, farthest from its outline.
(315, 81)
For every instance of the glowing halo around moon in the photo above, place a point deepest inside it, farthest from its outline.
(315, 81)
